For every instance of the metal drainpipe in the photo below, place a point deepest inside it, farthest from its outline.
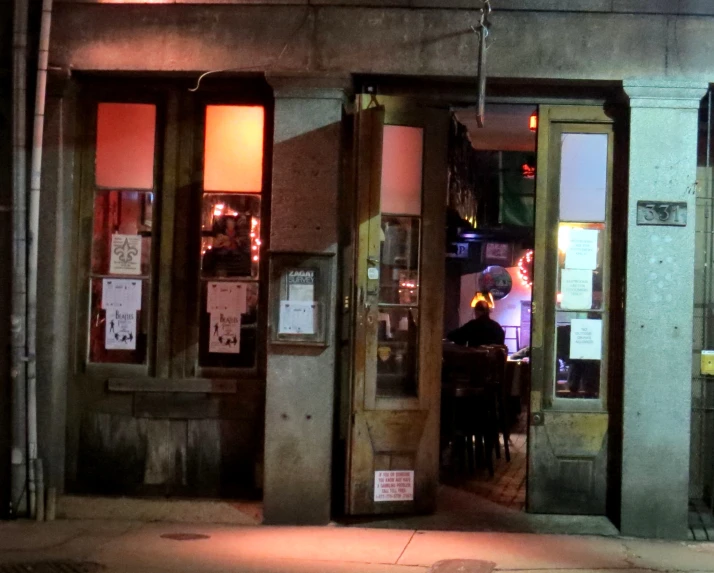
(18, 318)
(34, 463)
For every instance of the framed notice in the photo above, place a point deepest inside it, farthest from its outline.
(300, 298)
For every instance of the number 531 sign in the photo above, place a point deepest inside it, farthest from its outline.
(669, 213)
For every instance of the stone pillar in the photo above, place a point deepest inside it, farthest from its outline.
(659, 310)
(300, 385)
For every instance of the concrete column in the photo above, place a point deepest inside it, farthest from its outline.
(659, 310)
(301, 381)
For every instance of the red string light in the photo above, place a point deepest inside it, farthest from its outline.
(525, 268)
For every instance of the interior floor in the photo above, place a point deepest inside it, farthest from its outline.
(507, 486)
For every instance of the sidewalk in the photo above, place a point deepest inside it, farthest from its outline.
(130, 546)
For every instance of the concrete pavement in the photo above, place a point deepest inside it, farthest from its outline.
(130, 546)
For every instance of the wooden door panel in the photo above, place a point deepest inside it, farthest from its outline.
(568, 474)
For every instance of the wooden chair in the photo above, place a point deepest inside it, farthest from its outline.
(466, 406)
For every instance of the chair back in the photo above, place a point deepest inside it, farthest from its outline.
(464, 366)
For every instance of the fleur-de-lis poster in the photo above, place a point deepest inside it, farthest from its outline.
(125, 256)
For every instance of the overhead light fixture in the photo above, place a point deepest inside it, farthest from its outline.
(533, 121)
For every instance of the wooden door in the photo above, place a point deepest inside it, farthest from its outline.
(392, 457)
(572, 311)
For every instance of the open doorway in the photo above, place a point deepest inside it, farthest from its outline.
(489, 266)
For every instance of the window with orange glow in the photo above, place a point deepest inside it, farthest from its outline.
(126, 134)
(233, 153)
(402, 152)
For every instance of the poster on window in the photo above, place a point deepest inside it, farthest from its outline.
(120, 329)
(585, 339)
(582, 250)
(226, 297)
(225, 333)
(125, 257)
(576, 288)
(121, 294)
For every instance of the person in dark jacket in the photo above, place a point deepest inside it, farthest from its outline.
(479, 331)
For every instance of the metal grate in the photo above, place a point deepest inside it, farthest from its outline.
(51, 567)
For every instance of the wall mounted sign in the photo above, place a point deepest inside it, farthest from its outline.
(497, 254)
(300, 297)
(497, 281)
(458, 251)
(394, 485)
(662, 213)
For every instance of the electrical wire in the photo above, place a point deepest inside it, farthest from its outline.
(271, 65)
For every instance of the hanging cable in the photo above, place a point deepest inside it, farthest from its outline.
(270, 65)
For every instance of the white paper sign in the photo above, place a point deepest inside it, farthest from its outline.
(582, 249)
(576, 288)
(586, 339)
(225, 333)
(120, 329)
(394, 485)
(301, 285)
(125, 258)
(121, 293)
(226, 297)
(297, 317)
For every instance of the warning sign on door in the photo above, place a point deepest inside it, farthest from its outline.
(394, 486)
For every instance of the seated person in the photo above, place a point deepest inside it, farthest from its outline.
(479, 331)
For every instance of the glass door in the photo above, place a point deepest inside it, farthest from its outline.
(400, 187)
(569, 420)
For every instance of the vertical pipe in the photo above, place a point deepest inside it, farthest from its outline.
(18, 317)
(33, 236)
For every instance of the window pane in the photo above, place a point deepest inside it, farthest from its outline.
(580, 266)
(399, 261)
(583, 176)
(402, 153)
(233, 154)
(121, 241)
(125, 145)
(230, 245)
(397, 351)
(118, 335)
(228, 338)
(578, 353)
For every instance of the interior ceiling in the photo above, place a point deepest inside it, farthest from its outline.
(505, 129)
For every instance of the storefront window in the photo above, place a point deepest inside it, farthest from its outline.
(581, 301)
(120, 272)
(398, 328)
(231, 236)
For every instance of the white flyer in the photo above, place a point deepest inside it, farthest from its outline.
(226, 297)
(301, 285)
(225, 333)
(582, 249)
(120, 329)
(297, 317)
(585, 339)
(125, 256)
(394, 485)
(576, 288)
(121, 293)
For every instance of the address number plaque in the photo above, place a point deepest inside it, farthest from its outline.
(666, 213)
